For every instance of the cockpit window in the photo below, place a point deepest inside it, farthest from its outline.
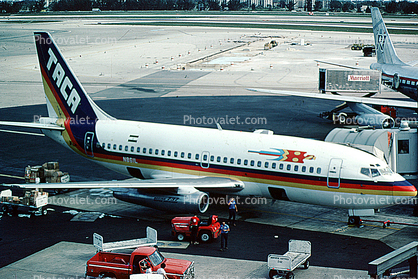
(365, 171)
(386, 171)
(375, 172)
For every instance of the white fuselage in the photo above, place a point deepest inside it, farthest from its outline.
(308, 171)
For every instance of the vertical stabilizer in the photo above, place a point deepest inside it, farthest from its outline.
(385, 51)
(65, 96)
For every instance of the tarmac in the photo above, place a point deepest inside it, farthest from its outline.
(161, 74)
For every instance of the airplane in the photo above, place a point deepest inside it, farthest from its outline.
(401, 76)
(398, 75)
(176, 168)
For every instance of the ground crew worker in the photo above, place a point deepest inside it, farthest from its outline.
(232, 205)
(194, 227)
(224, 236)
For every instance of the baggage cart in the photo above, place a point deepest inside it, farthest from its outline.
(150, 240)
(33, 202)
(282, 266)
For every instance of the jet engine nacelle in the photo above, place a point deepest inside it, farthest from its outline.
(196, 202)
(375, 120)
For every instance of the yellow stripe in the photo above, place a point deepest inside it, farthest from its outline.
(263, 181)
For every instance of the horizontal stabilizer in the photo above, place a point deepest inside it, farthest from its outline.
(32, 125)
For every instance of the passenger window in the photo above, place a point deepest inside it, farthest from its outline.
(132, 149)
(144, 150)
(259, 164)
(120, 147)
(225, 160)
(182, 154)
(281, 166)
(252, 163)
(311, 169)
(266, 164)
(169, 153)
(212, 158)
(239, 161)
(288, 167)
(150, 151)
(104, 145)
(231, 160)
(109, 146)
(197, 157)
(304, 169)
(245, 162)
(156, 151)
(273, 166)
(318, 170)
(218, 159)
(189, 155)
(205, 157)
(138, 149)
(296, 168)
(126, 148)
(162, 152)
(175, 153)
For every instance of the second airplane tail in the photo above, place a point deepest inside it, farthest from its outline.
(385, 51)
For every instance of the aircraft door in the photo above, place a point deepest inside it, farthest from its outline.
(396, 81)
(88, 143)
(334, 172)
(204, 162)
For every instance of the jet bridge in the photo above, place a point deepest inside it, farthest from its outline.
(397, 146)
(381, 266)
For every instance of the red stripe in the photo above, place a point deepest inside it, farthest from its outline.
(263, 176)
(63, 109)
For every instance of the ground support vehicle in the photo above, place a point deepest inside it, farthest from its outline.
(121, 266)
(208, 229)
(282, 266)
(150, 240)
(33, 202)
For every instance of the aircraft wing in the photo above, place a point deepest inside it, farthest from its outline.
(210, 184)
(342, 65)
(33, 125)
(362, 100)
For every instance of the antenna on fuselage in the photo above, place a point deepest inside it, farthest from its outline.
(218, 126)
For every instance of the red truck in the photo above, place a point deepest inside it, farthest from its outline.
(121, 266)
(208, 229)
